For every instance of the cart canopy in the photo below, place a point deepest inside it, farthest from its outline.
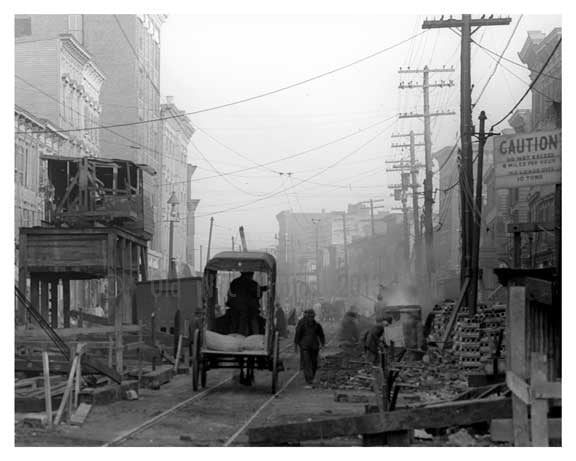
(242, 261)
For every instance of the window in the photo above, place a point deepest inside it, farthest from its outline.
(22, 26)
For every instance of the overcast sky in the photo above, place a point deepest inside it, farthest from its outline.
(208, 60)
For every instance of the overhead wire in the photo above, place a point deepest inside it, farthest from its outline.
(531, 85)
(499, 60)
(255, 97)
(304, 152)
(332, 165)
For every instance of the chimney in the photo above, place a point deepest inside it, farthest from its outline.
(169, 99)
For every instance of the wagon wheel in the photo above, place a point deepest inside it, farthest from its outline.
(203, 370)
(275, 361)
(196, 359)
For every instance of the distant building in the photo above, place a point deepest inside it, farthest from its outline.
(176, 175)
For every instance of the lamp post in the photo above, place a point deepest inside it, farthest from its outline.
(173, 217)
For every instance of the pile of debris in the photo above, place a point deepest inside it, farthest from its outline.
(347, 369)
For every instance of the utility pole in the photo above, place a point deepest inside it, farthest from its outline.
(372, 217)
(413, 168)
(316, 221)
(243, 239)
(465, 25)
(209, 240)
(482, 137)
(428, 188)
(400, 194)
(347, 287)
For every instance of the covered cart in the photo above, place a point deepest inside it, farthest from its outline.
(215, 345)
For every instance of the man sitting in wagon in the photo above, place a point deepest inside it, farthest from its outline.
(244, 301)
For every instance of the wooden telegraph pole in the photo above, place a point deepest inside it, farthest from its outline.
(465, 25)
(412, 166)
(428, 189)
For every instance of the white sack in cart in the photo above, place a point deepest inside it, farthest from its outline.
(253, 343)
(224, 343)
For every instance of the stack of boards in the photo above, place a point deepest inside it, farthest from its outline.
(233, 342)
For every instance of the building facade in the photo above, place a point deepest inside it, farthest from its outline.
(175, 178)
(125, 48)
(57, 80)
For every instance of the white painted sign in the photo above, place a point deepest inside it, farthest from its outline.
(528, 159)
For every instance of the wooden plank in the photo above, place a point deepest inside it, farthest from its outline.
(80, 414)
(69, 384)
(47, 392)
(547, 390)
(530, 227)
(518, 387)
(516, 347)
(501, 429)
(539, 408)
(455, 311)
(72, 332)
(539, 290)
(451, 414)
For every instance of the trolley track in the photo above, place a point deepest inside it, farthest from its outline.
(216, 416)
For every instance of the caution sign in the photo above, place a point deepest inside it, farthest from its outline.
(528, 159)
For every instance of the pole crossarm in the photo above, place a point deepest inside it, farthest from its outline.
(419, 71)
(407, 135)
(458, 23)
(410, 85)
(435, 114)
(408, 145)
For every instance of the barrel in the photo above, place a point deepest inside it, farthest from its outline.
(410, 316)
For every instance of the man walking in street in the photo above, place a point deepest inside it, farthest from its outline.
(309, 338)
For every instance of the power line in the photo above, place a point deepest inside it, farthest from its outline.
(523, 81)
(530, 87)
(252, 98)
(304, 152)
(499, 59)
(304, 180)
(522, 66)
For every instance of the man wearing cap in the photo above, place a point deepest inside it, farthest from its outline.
(309, 338)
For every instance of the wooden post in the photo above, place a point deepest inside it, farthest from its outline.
(44, 288)
(69, 385)
(78, 381)
(35, 292)
(54, 303)
(66, 300)
(47, 391)
(110, 352)
(539, 407)
(140, 352)
(517, 248)
(22, 277)
(516, 350)
(177, 358)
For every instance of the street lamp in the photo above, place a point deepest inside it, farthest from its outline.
(173, 217)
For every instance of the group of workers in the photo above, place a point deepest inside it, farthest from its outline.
(244, 318)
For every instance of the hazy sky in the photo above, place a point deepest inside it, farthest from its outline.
(213, 60)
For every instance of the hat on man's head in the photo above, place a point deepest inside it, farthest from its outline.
(310, 312)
